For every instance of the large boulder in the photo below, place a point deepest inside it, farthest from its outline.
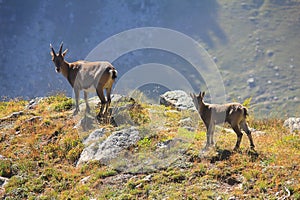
(292, 123)
(110, 147)
(116, 152)
(177, 99)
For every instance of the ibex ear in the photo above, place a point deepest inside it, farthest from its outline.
(65, 52)
(192, 95)
(202, 94)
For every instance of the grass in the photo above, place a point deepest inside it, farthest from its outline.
(40, 157)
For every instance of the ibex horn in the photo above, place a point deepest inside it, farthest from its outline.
(60, 48)
(51, 47)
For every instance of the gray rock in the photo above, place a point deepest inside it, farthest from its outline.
(94, 136)
(3, 181)
(177, 99)
(188, 124)
(35, 119)
(12, 116)
(86, 123)
(33, 103)
(111, 147)
(251, 82)
(292, 123)
(85, 180)
(121, 115)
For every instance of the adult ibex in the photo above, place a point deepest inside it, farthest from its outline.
(232, 113)
(86, 76)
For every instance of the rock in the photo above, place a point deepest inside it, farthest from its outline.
(148, 178)
(111, 147)
(121, 115)
(270, 53)
(276, 68)
(94, 136)
(188, 124)
(85, 180)
(3, 181)
(177, 99)
(33, 103)
(251, 82)
(117, 97)
(86, 123)
(35, 119)
(14, 115)
(292, 123)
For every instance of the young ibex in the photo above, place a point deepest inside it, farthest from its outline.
(232, 113)
(87, 76)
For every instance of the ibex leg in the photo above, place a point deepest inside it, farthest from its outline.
(239, 135)
(245, 127)
(103, 101)
(76, 91)
(87, 109)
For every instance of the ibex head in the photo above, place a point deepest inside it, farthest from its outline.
(58, 59)
(197, 99)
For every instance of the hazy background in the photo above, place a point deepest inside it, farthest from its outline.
(255, 44)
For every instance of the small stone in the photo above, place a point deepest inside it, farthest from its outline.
(215, 59)
(85, 180)
(270, 53)
(251, 82)
(34, 103)
(139, 185)
(148, 178)
(3, 181)
(276, 68)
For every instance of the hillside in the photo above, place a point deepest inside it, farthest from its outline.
(254, 44)
(41, 144)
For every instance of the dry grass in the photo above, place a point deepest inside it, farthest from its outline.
(41, 148)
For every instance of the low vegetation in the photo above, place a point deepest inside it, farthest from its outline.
(40, 147)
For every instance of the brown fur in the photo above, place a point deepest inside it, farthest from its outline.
(232, 113)
(84, 75)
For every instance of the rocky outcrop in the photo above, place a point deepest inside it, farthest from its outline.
(177, 99)
(292, 123)
(110, 147)
(116, 151)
